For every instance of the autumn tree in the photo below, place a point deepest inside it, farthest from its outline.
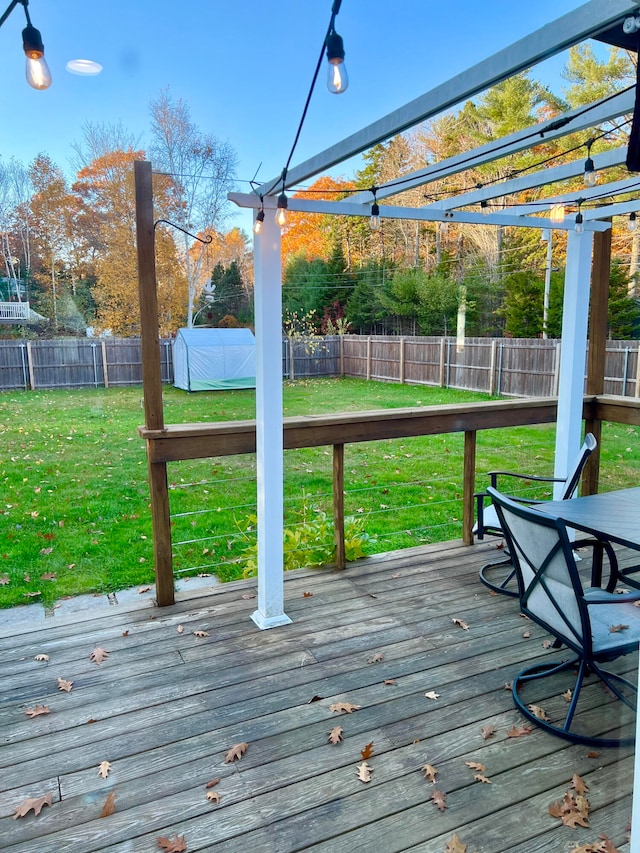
(201, 171)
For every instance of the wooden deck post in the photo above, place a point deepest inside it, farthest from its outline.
(338, 505)
(152, 380)
(402, 357)
(600, 277)
(468, 486)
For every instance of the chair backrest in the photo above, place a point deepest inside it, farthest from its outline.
(549, 585)
(573, 475)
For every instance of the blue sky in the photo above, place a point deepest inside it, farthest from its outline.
(244, 67)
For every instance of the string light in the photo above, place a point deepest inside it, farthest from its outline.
(556, 214)
(590, 174)
(632, 225)
(281, 209)
(257, 225)
(374, 221)
(337, 77)
(37, 71)
(579, 225)
(484, 207)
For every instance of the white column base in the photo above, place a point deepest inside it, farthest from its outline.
(263, 622)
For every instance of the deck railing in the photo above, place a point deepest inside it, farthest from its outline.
(11, 312)
(197, 441)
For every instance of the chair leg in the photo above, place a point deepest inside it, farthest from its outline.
(563, 730)
(503, 579)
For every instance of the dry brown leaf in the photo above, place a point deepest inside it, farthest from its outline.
(200, 633)
(519, 731)
(526, 635)
(307, 594)
(335, 735)
(315, 698)
(487, 732)
(364, 772)
(367, 752)
(98, 655)
(567, 695)
(175, 845)
(572, 811)
(538, 712)
(48, 576)
(103, 770)
(34, 804)
(546, 644)
(593, 754)
(440, 799)
(37, 711)
(236, 752)
(480, 777)
(614, 629)
(213, 782)
(430, 772)
(476, 765)
(455, 845)
(248, 596)
(42, 657)
(432, 695)
(4, 580)
(579, 785)
(109, 806)
(344, 707)
(460, 623)
(390, 682)
(180, 629)
(213, 797)
(143, 589)
(377, 658)
(65, 685)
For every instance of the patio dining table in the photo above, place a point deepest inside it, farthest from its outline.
(613, 516)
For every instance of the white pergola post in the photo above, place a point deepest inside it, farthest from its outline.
(268, 324)
(575, 315)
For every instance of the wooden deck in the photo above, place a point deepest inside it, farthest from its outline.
(166, 706)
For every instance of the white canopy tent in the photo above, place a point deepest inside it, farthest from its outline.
(603, 19)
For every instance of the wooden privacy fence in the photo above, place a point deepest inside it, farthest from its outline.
(507, 366)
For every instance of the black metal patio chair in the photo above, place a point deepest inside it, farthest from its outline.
(597, 626)
(499, 575)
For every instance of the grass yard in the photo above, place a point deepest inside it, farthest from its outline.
(75, 514)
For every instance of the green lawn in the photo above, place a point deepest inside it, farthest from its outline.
(75, 513)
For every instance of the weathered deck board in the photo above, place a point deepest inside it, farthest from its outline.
(168, 705)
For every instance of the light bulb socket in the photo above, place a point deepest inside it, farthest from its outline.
(257, 225)
(32, 42)
(484, 207)
(335, 48)
(579, 226)
(283, 201)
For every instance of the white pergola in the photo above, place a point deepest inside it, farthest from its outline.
(602, 19)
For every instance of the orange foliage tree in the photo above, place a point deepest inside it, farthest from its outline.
(312, 234)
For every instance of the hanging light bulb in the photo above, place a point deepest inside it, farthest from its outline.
(556, 214)
(374, 221)
(484, 207)
(632, 225)
(281, 210)
(337, 77)
(257, 225)
(579, 226)
(37, 70)
(590, 174)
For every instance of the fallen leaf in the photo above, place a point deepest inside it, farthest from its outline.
(538, 712)
(177, 845)
(364, 772)
(34, 804)
(143, 589)
(614, 629)
(248, 596)
(367, 752)
(48, 576)
(125, 633)
(213, 782)
(200, 633)
(42, 657)
(213, 797)
(390, 682)
(236, 752)
(397, 575)
(476, 765)
(32, 594)
(65, 685)
(307, 594)
(103, 770)
(480, 777)
(109, 806)
(526, 635)
(432, 695)
(455, 845)
(579, 785)
(519, 731)
(335, 735)
(98, 655)
(487, 732)
(377, 658)
(344, 707)
(460, 623)
(593, 754)
(430, 772)
(180, 629)
(567, 695)
(546, 644)
(315, 698)
(440, 799)
(4, 580)
(37, 711)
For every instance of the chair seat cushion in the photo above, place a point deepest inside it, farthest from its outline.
(622, 617)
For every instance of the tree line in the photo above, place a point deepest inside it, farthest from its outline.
(69, 247)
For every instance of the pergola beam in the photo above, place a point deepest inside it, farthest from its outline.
(570, 29)
(597, 193)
